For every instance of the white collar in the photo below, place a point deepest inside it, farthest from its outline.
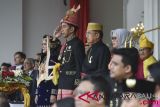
(19, 67)
(30, 72)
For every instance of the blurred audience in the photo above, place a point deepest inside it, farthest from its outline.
(29, 70)
(66, 102)
(95, 85)
(5, 66)
(37, 61)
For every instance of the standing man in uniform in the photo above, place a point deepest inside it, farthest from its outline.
(98, 56)
(72, 56)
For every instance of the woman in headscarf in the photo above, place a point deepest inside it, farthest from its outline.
(118, 37)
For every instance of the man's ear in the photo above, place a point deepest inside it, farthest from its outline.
(128, 68)
(151, 51)
(72, 29)
(97, 35)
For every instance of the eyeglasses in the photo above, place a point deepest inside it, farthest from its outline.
(44, 43)
(36, 60)
(90, 33)
(114, 38)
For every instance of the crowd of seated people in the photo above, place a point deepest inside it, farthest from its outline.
(96, 77)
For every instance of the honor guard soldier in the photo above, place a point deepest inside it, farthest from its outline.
(98, 56)
(72, 56)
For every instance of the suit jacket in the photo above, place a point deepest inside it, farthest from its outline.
(32, 87)
(97, 59)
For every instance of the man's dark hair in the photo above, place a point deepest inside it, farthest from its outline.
(6, 64)
(50, 37)
(21, 54)
(130, 56)
(66, 102)
(46, 35)
(100, 85)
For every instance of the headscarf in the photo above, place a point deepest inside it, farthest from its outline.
(121, 35)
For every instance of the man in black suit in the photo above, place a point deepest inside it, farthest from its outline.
(29, 70)
(98, 55)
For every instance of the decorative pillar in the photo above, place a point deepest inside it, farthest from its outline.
(152, 20)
